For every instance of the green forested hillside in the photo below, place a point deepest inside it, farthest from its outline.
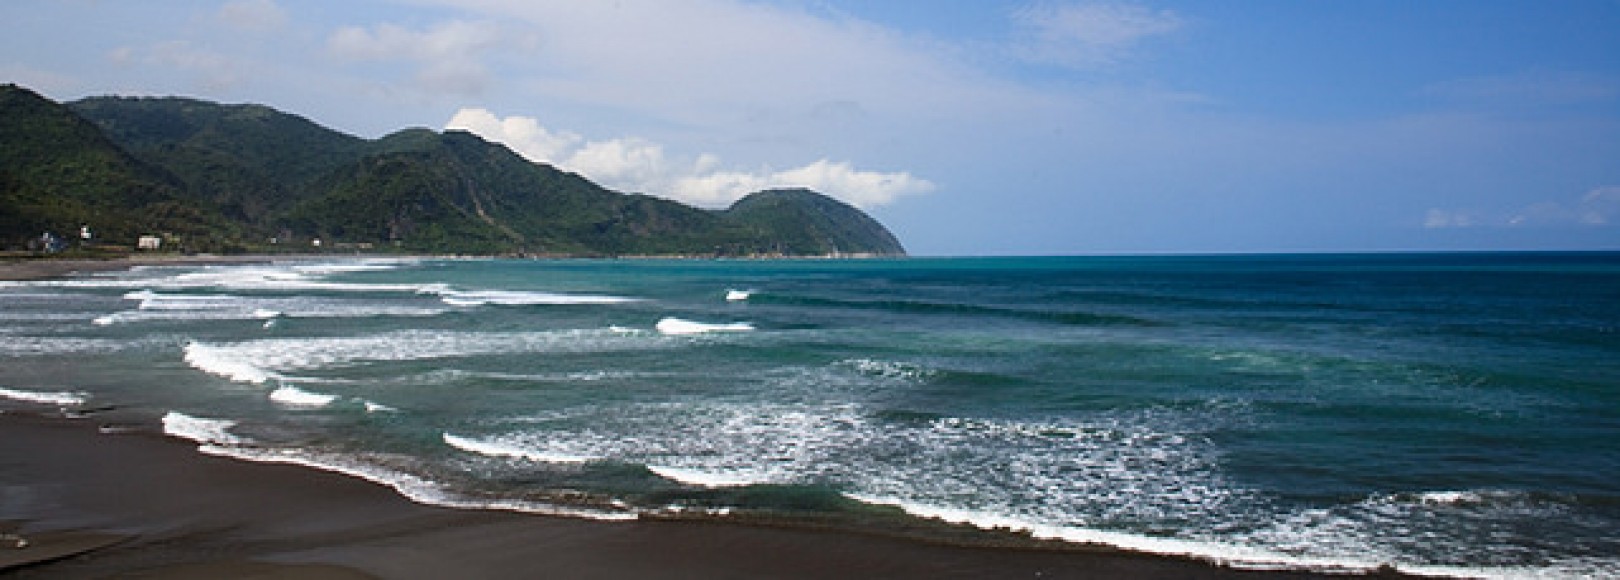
(803, 222)
(59, 172)
(250, 178)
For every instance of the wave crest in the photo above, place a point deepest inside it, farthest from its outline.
(58, 398)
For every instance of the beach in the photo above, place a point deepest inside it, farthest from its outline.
(136, 504)
(93, 499)
(941, 418)
(96, 499)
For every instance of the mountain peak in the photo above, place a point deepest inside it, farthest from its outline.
(820, 225)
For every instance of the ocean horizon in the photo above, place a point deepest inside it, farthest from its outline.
(1440, 413)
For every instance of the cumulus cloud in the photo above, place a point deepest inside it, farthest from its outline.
(1598, 207)
(253, 15)
(1087, 34)
(448, 57)
(521, 134)
(636, 164)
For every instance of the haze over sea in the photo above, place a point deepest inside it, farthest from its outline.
(1444, 413)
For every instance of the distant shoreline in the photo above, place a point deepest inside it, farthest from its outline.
(44, 268)
(47, 268)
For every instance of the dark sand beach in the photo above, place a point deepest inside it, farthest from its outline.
(109, 496)
(137, 504)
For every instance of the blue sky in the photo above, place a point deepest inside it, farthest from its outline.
(1011, 127)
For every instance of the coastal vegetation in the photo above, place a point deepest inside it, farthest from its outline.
(196, 176)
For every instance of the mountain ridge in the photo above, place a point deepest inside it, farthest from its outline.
(257, 179)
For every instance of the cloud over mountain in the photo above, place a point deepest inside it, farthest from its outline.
(637, 164)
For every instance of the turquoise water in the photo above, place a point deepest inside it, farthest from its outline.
(1454, 413)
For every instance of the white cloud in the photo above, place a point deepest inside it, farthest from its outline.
(1598, 207)
(1604, 196)
(1442, 218)
(523, 134)
(630, 163)
(1088, 34)
(860, 188)
(253, 15)
(639, 165)
(448, 56)
(703, 62)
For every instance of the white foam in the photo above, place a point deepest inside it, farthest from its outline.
(214, 438)
(1050, 476)
(58, 398)
(296, 397)
(201, 430)
(704, 478)
(887, 369)
(154, 301)
(257, 361)
(290, 276)
(496, 449)
(677, 326)
(414, 488)
(347, 266)
(56, 345)
(1226, 554)
(738, 295)
(222, 361)
(161, 306)
(521, 298)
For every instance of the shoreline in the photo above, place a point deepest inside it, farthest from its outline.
(45, 268)
(69, 485)
(113, 447)
(50, 268)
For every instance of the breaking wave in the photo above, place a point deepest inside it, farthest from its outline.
(296, 397)
(57, 398)
(678, 326)
(259, 361)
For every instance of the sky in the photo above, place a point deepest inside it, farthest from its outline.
(1015, 127)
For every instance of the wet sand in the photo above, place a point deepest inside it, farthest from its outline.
(137, 504)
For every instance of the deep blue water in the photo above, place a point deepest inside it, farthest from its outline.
(1446, 413)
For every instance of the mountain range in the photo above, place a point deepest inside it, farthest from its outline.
(210, 177)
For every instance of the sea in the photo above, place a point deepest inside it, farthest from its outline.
(1453, 414)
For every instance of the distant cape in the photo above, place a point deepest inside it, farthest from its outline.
(198, 176)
